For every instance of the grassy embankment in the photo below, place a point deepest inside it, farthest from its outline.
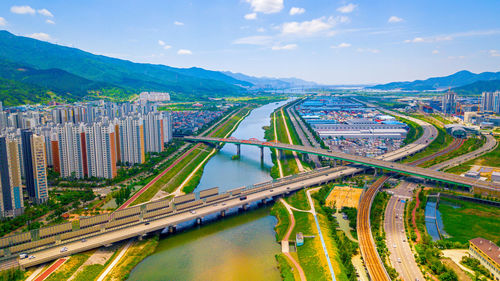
(441, 119)
(135, 254)
(296, 139)
(415, 131)
(470, 220)
(491, 159)
(224, 130)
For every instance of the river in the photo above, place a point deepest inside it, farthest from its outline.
(240, 247)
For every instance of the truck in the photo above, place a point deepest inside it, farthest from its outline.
(23, 256)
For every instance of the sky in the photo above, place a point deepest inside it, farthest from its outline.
(325, 41)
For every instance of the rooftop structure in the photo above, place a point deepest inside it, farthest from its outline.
(487, 253)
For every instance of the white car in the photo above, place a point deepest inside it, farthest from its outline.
(64, 249)
(31, 257)
(193, 212)
(394, 245)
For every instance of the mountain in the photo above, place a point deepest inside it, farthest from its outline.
(183, 83)
(478, 87)
(458, 79)
(16, 93)
(271, 83)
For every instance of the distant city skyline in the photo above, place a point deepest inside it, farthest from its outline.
(328, 42)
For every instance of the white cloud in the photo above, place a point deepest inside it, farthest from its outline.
(178, 23)
(184, 52)
(3, 22)
(308, 28)
(284, 47)
(416, 40)
(266, 6)
(452, 36)
(347, 8)
(161, 43)
(435, 52)
(261, 29)
(45, 12)
(254, 40)
(166, 47)
(494, 53)
(251, 16)
(394, 19)
(341, 45)
(368, 50)
(22, 10)
(297, 11)
(50, 22)
(40, 36)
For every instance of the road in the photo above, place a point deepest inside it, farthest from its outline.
(373, 263)
(455, 144)
(302, 130)
(401, 256)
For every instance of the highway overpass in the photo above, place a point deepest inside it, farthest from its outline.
(475, 185)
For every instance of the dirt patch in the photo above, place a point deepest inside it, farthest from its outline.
(100, 256)
(344, 196)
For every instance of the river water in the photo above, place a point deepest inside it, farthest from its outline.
(240, 247)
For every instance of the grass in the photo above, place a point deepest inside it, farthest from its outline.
(442, 141)
(89, 272)
(441, 119)
(70, 266)
(135, 254)
(285, 268)
(491, 158)
(299, 200)
(469, 145)
(281, 214)
(415, 131)
(469, 221)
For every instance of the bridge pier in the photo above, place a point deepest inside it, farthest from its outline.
(281, 154)
(262, 154)
(172, 228)
(244, 207)
(223, 213)
(238, 149)
(199, 220)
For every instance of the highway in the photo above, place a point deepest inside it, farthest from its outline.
(372, 260)
(305, 135)
(401, 256)
(488, 146)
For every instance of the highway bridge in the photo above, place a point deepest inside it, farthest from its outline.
(475, 185)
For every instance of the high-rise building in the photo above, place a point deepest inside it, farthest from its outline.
(11, 203)
(33, 148)
(449, 103)
(101, 150)
(167, 126)
(71, 150)
(490, 102)
(1, 106)
(153, 132)
(132, 150)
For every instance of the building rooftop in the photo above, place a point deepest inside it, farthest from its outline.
(488, 248)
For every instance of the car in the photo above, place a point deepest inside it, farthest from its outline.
(404, 240)
(394, 246)
(243, 198)
(223, 204)
(84, 240)
(64, 249)
(146, 223)
(31, 257)
(271, 190)
(193, 212)
(399, 260)
(23, 256)
(288, 188)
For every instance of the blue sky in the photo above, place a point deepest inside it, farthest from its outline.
(332, 42)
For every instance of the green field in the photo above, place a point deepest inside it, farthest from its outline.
(469, 221)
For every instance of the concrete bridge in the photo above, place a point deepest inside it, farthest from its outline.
(475, 185)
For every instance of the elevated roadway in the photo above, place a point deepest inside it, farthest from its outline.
(382, 163)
